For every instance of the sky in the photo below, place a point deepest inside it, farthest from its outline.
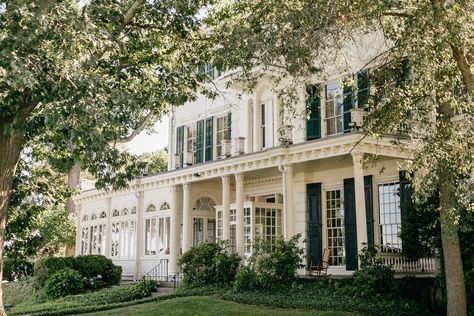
(143, 142)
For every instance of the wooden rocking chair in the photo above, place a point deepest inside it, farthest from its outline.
(321, 269)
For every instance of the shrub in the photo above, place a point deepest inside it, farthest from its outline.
(48, 266)
(209, 263)
(63, 282)
(98, 271)
(276, 262)
(374, 277)
(16, 269)
(246, 280)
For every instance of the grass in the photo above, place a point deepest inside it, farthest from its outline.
(210, 306)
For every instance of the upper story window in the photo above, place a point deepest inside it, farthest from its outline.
(199, 140)
(267, 123)
(313, 112)
(222, 133)
(340, 98)
(333, 108)
(191, 141)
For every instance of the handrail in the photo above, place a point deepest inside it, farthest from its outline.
(159, 272)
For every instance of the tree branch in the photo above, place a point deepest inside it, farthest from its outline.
(464, 67)
(137, 131)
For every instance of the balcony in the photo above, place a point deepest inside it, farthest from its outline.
(401, 265)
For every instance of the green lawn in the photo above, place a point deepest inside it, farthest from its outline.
(208, 306)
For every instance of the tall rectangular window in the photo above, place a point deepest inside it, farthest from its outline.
(335, 227)
(334, 108)
(211, 230)
(247, 230)
(198, 231)
(222, 133)
(191, 141)
(150, 236)
(263, 126)
(115, 242)
(390, 217)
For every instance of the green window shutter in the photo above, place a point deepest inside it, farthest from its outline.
(363, 89)
(315, 224)
(406, 193)
(313, 110)
(209, 138)
(199, 153)
(180, 143)
(348, 105)
(369, 208)
(229, 126)
(350, 225)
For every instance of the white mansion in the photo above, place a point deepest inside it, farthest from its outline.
(232, 176)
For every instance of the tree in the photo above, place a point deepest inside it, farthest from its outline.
(37, 221)
(156, 161)
(78, 76)
(434, 95)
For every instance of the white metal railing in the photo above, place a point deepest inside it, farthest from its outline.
(401, 264)
(87, 184)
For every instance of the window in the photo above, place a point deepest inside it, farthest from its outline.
(191, 142)
(125, 211)
(267, 223)
(333, 108)
(267, 123)
(198, 231)
(115, 236)
(103, 214)
(93, 216)
(222, 133)
(247, 230)
(157, 230)
(115, 213)
(150, 236)
(211, 230)
(390, 217)
(205, 204)
(164, 206)
(335, 227)
(85, 241)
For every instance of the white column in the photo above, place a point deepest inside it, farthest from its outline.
(174, 232)
(288, 202)
(140, 237)
(78, 230)
(225, 207)
(359, 200)
(187, 225)
(239, 201)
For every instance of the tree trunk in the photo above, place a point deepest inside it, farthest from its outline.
(10, 148)
(453, 268)
(449, 218)
(73, 181)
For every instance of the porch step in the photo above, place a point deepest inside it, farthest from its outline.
(162, 291)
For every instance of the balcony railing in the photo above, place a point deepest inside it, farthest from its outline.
(87, 185)
(401, 264)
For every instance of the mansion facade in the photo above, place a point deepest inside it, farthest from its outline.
(241, 168)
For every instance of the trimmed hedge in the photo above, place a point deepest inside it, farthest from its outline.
(96, 270)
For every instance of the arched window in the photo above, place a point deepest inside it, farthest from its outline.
(151, 208)
(205, 204)
(125, 211)
(115, 213)
(164, 206)
(103, 214)
(85, 218)
(134, 210)
(93, 216)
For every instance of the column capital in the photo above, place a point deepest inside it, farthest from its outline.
(357, 157)
(186, 185)
(225, 178)
(287, 168)
(239, 176)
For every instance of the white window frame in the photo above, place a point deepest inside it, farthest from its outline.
(390, 220)
(334, 231)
